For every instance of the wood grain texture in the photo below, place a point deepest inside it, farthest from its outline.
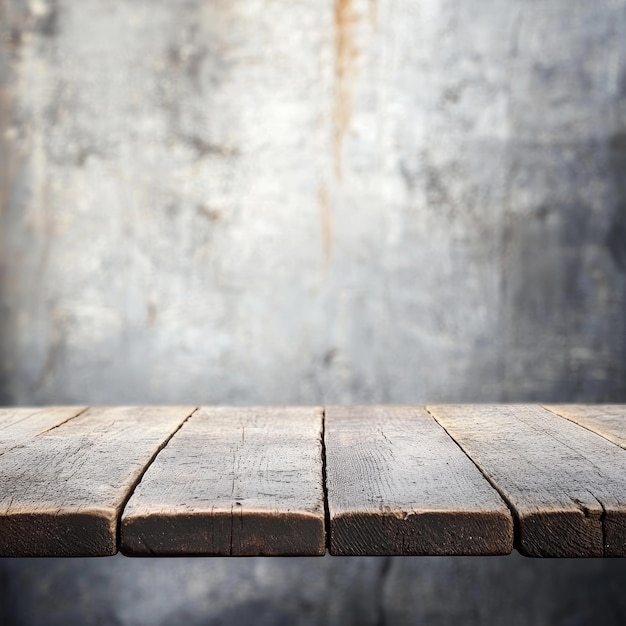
(566, 485)
(607, 420)
(19, 424)
(398, 484)
(61, 492)
(233, 481)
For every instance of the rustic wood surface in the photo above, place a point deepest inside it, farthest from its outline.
(20, 424)
(62, 491)
(250, 481)
(398, 484)
(233, 481)
(566, 485)
(608, 420)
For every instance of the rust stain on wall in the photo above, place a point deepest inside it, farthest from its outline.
(373, 11)
(345, 66)
(327, 225)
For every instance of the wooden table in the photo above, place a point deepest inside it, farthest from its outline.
(375, 480)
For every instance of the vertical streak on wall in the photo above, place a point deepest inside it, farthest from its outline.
(5, 175)
(373, 11)
(345, 68)
(326, 225)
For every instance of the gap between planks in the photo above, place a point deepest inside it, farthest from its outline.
(565, 484)
(142, 474)
(62, 489)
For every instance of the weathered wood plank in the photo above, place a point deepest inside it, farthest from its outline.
(233, 481)
(18, 424)
(607, 420)
(61, 492)
(566, 485)
(398, 484)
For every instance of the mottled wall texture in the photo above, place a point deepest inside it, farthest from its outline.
(270, 201)
(312, 201)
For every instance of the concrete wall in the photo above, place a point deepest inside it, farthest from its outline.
(347, 201)
(261, 201)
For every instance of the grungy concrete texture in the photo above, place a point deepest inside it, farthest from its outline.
(332, 201)
(261, 201)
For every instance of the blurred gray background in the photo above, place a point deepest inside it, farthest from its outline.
(305, 201)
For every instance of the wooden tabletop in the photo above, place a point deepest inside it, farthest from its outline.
(549, 481)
